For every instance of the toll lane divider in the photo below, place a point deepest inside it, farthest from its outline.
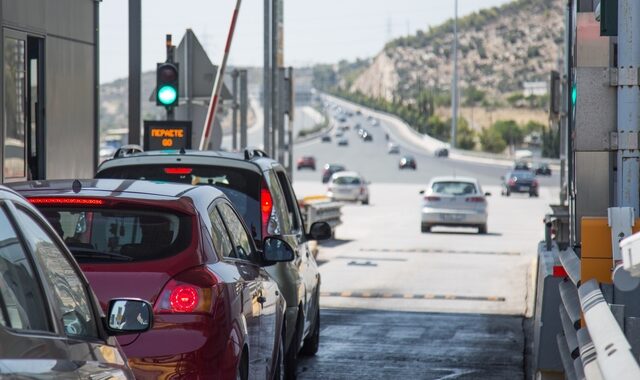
(591, 343)
(447, 297)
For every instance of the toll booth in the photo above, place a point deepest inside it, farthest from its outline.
(49, 96)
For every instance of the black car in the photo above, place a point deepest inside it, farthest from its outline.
(367, 136)
(407, 162)
(521, 166)
(543, 169)
(51, 324)
(329, 169)
(520, 181)
(260, 190)
(326, 138)
(441, 152)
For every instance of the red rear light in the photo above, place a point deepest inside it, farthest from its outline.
(512, 181)
(266, 206)
(535, 183)
(178, 171)
(189, 292)
(184, 299)
(68, 201)
(362, 190)
(431, 199)
(476, 199)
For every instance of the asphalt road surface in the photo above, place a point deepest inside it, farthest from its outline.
(400, 303)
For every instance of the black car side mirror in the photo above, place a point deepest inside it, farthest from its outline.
(487, 194)
(276, 250)
(320, 231)
(421, 192)
(129, 316)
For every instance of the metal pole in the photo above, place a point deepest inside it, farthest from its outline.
(215, 94)
(454, 84)
(275, 83)
(564, 109)
(171, 114)
(266, 72)
(292, 104)
(234, 111)
(628, 103)
(244, 107)
(281, 131)
(135, 56)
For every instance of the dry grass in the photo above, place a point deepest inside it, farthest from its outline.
(481, 118)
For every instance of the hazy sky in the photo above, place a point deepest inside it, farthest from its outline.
(316, 31)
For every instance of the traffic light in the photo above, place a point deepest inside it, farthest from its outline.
(167, 84)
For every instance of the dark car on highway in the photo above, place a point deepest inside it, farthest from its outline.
(326, 138)
(260, 190)
(542, 169)
(51, 325)
(367, 137)
(407, 162)
(185, 249)
(441, 152)
(329, 169)
(520, 181)
(306, 162)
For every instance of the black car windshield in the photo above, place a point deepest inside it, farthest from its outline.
(241, 186)
(119, 235)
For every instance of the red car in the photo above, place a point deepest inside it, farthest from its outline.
(308, 162)
(183, 248)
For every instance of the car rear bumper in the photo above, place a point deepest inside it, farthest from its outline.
(523, 189)
(446, 217)
(338, 196)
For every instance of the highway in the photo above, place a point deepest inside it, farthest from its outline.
(453, 290)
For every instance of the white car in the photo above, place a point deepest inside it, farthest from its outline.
(394, 148)
(456, 202)
(348, 186)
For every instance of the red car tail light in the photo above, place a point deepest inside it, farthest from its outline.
(178, 171)
(61, 201)
(266, 206)
(362, 190)
(189, 292)
(476, 199)
(431, 198)
(535, 183)
(512, 181)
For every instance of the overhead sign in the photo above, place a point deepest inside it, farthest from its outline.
(163, 135)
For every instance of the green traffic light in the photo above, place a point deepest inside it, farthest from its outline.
(574, 94)
(167, 95)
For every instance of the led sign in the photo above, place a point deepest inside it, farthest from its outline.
(167, 135)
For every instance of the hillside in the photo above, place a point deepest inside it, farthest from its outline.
(499, 49)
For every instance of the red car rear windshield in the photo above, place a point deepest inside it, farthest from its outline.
(241, 186)
(96, 235)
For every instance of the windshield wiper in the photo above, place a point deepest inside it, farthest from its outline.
(86, 253)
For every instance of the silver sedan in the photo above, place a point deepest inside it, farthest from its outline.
(348, 186)
(455, 202)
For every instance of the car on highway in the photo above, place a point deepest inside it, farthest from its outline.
(393, 148)
(520, 181)
(326, 138)
(185, 249)
(339, 133)
(348, 186)
(367, 137)
(361, 131)
(375, 122)
(454, 202)
(330, 169)
(542, 169)
(441, 152)
(306, 162)
(407, 162)
(261, 191)
(51, 325)
(343, 142)
(521, 166)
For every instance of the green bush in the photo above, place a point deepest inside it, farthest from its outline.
(510, 131)
(491, 141)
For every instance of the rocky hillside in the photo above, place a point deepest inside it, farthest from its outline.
(499, 49)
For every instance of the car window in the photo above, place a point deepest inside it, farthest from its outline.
(70, 296)
(96, 235)
(241, 240)
(241, 186)
(290, 200)
(219, 235)
(22, 304)
(454, 188)
(347, 181)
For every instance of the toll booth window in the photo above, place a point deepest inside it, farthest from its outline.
(14, 109)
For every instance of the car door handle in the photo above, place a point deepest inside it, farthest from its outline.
(262, 299)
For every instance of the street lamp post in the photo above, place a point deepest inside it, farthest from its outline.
(454, 81)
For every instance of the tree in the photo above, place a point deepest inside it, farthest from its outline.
(491, 141)
(465, 136)
(510, 132)
(533, 126)
(438, 128)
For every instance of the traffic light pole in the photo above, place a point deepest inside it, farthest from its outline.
(244, 107)
(234, 110)
(135, 52)
(171, 115)
(266, 91)
(454, 81)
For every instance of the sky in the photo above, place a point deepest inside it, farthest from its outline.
(316, 31)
